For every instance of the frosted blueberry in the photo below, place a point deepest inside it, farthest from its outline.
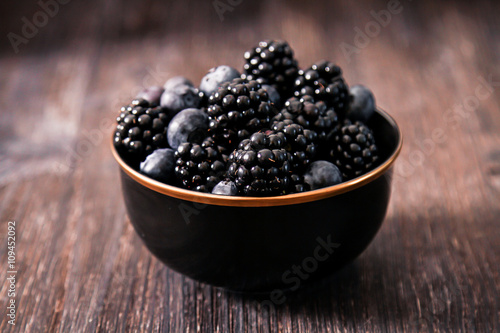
(215, 77)
(189, 125)
(225, 187)
(362, 104)
(159, 165)
(322, 174)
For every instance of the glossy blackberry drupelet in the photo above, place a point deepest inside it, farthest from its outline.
(237, 109)
(261, 166)
(309, 114)
(354, 150)
(324, 82)
(298, 184)
(141, 129)
(299, 142)
(272, 62)
(199, 167)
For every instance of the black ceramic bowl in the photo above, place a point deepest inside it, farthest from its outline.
(262, 244)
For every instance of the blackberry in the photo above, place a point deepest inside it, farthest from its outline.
(324, 82)
(261, 166)
(272, 62)
(354, 150)
(309, 114)
(237, 109)
(299, 142)
(199, 167)
(141, 129)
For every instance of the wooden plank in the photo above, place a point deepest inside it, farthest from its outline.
(432, 267)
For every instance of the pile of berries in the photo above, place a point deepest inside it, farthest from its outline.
(273, 129)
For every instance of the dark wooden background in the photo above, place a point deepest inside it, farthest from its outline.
(434, 266)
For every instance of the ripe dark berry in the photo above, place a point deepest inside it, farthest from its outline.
(298, 184)
(159, 165)
(316, 116)
(199, 167)
(176, 81)
(322, 174)
(299, 142)
(362, 105)
(215, 77)
(258, 169)
(273, 63)
(324, 82)
(141, 129)
(189, 125)
(236, 109)
(354, 150)
(180, 97)
(151, 94)
(225, 187)
(274, 95)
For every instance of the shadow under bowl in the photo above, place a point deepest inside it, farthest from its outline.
(261, 244)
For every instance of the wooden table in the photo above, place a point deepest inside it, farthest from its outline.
(434, 266)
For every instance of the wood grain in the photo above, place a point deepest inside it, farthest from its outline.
(434, 266)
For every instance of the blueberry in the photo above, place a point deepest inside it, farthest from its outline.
(177, 81)
(274, 95)
(362, 103)
(225, 187)
(151, 94)
(189, 125)
(322, 174)
(159, 165)
(179, 98)
(215, 77)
